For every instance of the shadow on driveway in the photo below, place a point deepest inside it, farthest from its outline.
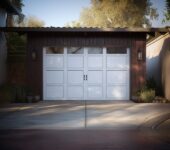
(70, 125)
(76, 115)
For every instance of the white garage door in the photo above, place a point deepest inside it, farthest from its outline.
(85, 73)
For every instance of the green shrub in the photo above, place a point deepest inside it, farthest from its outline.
(148, 92)
(147, 95)
(7, 94)
(29, 91)
(20, 94)
(151, 83)
(12, 93)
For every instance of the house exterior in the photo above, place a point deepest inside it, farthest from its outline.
(157, 61)
(85, 63)
(6, 8)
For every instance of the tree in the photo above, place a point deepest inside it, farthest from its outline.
(16, 43)
(73, 24)
(117, 13)
(21, 20)
(167, 12)
(12, 20)
(31, 21)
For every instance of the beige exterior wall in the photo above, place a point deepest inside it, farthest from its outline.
(166, 75)
(155, 57)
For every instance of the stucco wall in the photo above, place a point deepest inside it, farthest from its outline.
(154, 54)
(166, 75)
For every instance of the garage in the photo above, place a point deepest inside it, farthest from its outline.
(85, 73)
(85, 63)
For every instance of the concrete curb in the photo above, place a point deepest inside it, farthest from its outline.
(155, 127)
(155, 122)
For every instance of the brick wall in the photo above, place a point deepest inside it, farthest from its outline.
(138, 67)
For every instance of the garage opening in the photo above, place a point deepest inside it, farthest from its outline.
(86, 73)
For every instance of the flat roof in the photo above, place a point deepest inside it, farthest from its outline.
(82, 29)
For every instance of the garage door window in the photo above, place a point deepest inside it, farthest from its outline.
(75, 50)
(116, 50)
(95, 50)
(54, 50)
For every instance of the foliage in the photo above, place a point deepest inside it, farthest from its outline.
(151, 83)
(16, 46)
(31, 21)
(21, 20)
(117, 13)
(148, 92)
(14, 41)
(18, 3)
(147, 95)
(29, 91)
(73, 24)
(7, 94)
(17, 93)
(167, 12)
(12, 20)
(13, 93)
(20, 94)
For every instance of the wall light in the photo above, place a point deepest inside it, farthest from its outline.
(34, 55)
(140, 55)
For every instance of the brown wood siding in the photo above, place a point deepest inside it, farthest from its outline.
(34, 67)
(36, 41)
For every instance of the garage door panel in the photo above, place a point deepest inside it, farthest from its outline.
(75, 61)
(53, 92)
(95, 77)
(116, 92)
(55, 61)
(75, 92)
(95, 61)
(75, 77)
(117, 62)
(95, 92)
(54, 77)
(116, 77)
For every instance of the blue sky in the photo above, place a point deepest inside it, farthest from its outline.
(59, 12)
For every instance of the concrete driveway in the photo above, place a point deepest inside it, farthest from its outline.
(75, 115)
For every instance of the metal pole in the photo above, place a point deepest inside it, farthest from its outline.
(85, 114)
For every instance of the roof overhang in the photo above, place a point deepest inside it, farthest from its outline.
(64, 29)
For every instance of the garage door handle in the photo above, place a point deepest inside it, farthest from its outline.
(86, 77)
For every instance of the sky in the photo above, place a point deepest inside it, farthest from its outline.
(58, 13)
